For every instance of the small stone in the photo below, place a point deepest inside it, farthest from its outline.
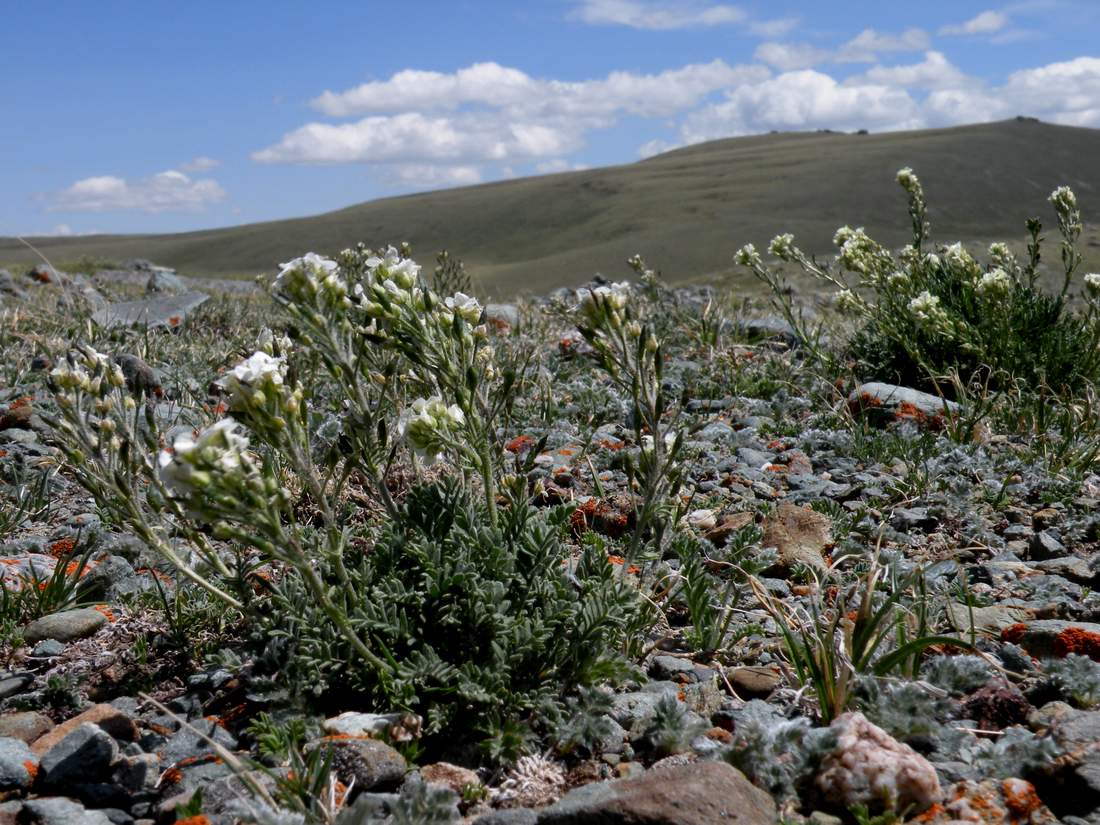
(1046, 545)
(14, 684)
(141, 379)
(162, 279)
(85, 755)
(869, 767)
(458, 779)
(64, 626)
(25, 726)
(502, 316)
(371, 764)
(105, 717)
(997, 706)
(672, 668)
(17, 416)
(800, 535)
(1047, 517)
(60, 811)
(47, 649)
(754, 682)
(991, 619)
(399, 726)
(18, 765)
(727, 525)
(1046, 638)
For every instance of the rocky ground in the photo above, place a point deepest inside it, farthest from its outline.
(127, 698)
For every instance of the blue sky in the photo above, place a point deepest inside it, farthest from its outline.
(151, 117)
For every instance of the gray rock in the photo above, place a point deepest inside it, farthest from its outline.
(513, 816)
(161, 311)
(15, 683)
(887, 403)
(65, 626)
(1055, 638)
(8, 285)
(703, 793)
(47, 649)
(187, 741)
(84, 756)
(373, 765)
(18, 764)
(672, 667)
(60, 811)
(771, 328)
(1046, 544)
(163, 279)
(991, 619)
(141, 379)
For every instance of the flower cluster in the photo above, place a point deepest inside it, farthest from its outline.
(1001, 256)
(961, 261)
(218, 455)
(994, 284)
(1092, 283)
(747, 256)
(926, 308)
(1064, 200)
(311, 276)
(782, 246)
(858, 253)
(88, 371)
(428, 424)
(605, 303)
(251, 382)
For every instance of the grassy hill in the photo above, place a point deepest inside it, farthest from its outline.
(686, 211)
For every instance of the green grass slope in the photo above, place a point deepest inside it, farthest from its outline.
(686, 211)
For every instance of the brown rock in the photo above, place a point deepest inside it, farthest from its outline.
(456, 778)
(727, 525)
(800, 535)
(1047, 517)
(754, 682)
(703, 793)
(18, 415)
(25, 726)
(109, 718)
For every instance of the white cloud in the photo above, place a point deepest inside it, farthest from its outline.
(658, 15)
(987, 22)
(163, 192)
(789, 56)
(866, 46)
(934, 72)
(800, 100)
(774, 28)
(491, 113)
(200, 164)
(549, 167)
(433, 176)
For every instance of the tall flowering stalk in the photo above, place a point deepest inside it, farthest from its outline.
(629, 352)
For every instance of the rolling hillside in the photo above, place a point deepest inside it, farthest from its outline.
(686, 210)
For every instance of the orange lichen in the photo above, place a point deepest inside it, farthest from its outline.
(719, 735)
(608, 444)
(197, 819)
(1077, 640)
(932, 814)
(1020, 798)
(173, 321)
(1013, 633)
(907, 410)
(106, 611)
(520, 444)
(31, 767)
(172, 776)
(62, 547)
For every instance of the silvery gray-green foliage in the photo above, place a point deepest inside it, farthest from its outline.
(1077, 678)
(1016, 752)
(958, 675)
(924, 315)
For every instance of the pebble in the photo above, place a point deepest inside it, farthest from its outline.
(65, 626)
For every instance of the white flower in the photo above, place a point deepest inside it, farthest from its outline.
(426, 423)
(192, 462)
(1063, 199)
(261, 371)
(1092, 282)
(927, 310)
(844, 234)
(465, 307)
(604, 302)
(401, 271)
(304, 274)
(782, 246)
(994, 284)
(898, 278)
(906, 177)
(747, 256)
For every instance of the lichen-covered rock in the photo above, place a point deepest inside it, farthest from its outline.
(990, 802)
(886, 403)
(869, 767)
(800, 536)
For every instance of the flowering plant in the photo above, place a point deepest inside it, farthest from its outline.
(926, 314)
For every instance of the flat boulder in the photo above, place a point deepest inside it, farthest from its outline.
(887, 403)
(155, 311)
(702, 793)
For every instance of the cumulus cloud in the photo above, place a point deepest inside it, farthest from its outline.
(866, 46)
(789, 56)
(549, 167)
(433, 176)
(988, 22)
(163, 192)
(801, 99)
(773, 28)
(490, 113)
(658, 15)
(934, 72)
(200, 164)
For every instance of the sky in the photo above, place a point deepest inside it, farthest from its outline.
(165, 117)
